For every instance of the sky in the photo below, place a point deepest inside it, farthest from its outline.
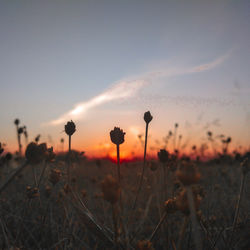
(104, 63)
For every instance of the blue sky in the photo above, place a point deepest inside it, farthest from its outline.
(56, 54)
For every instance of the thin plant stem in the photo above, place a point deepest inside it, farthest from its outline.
(34, 175)
(164, 182)
(174, 142)
(182, 232)
(236, 214)
(143, 168)
(42, 174)
(164, 216)
(114, 216)
(69, 160)
(195, 225)
(118, 163)
(20, 145)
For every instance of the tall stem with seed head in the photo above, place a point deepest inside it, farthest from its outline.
(70, 129)
(143, 168)
(147, 118)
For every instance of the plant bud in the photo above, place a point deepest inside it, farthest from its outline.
(117, 135)
(17, 121)
(148, 117)
(70, 128)
(20, 130)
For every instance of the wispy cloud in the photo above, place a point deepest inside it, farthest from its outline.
(128, 88)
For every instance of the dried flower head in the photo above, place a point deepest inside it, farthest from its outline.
(20, 130)
(37, 138)
(70, 128)
(117, 135)
(36, 153)
(16, 122)
(55, 176)
(144, 245)
(8, 156)
(163, 155)
(187, 173)
(111, 189)
(170, 206)
(148, 117)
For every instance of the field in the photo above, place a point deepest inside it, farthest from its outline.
(67, 201)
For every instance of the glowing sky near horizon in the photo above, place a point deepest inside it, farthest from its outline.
(104, 63)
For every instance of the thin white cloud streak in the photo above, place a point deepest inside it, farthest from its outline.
(127, 89)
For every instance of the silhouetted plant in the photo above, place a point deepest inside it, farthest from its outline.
(19, 132)
(117, 137)
(147, 118)
(70, 129)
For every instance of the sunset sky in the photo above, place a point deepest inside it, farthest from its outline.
(104, 63)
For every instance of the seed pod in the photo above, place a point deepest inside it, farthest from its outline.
(117, 135)
(20, 130)
(111, 189)
(16, 122)
(148, 117)
(8, 156)
(70, 128)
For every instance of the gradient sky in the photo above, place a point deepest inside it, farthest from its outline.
(185, 61)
